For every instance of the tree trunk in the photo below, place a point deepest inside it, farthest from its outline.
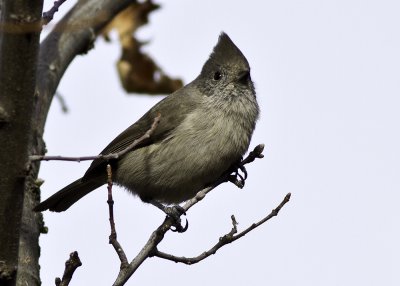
(19, 229)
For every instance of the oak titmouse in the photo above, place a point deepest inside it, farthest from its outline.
(205, 128)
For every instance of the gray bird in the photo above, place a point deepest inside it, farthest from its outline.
(205, 128)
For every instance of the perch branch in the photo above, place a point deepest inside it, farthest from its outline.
(150, 248)
(70, 266)
(145, 136)
(224, 240)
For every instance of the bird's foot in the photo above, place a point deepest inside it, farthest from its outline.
(237, 178)
(175, 212)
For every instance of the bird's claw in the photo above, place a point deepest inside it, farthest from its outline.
(244, 171)
(233, 178)
(175, 213)
(177, 226)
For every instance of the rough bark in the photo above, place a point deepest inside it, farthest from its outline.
(19, 47)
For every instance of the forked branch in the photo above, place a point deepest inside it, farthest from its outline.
(224, 240)
(150, 248)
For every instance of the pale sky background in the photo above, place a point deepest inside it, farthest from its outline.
(327, 75)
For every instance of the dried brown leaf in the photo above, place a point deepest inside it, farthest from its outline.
(138, 72)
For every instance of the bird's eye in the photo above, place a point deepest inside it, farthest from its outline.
(217, 75)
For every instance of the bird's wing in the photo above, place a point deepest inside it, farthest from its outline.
(173, 109)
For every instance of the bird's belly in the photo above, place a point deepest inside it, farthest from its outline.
(171, 171)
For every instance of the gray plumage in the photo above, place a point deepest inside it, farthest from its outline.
(205, 128)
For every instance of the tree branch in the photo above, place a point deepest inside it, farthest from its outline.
(150, 248)
(224, 240)
(117, 155)
(70, 266)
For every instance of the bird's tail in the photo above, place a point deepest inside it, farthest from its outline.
(69, 195)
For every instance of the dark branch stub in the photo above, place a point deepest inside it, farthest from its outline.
(70, 266)
(49, 15)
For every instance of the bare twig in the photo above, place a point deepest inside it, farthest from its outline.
(62, 158)
(110, 201)
(48, 16)
(273, 213)
(145, 136)
(113, 236)
(224, 240)
(70, 266)
(101, 156)
(256, 153)
(61, 100)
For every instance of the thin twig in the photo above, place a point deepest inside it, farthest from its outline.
(61, 100)
(49, 15)
(256, 153)
(224, 240)
(110, 201)
(145, 136)
(70, 266)
(113, 236)
(62, 158)
(273, 213)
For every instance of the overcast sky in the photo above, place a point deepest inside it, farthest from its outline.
(327, 75)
